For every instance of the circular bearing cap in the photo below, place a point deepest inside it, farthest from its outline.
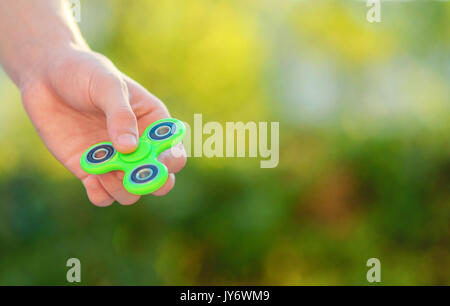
(162, 131)
(144, 174)
(100, 154)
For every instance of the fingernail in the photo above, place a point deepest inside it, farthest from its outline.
(127, 140)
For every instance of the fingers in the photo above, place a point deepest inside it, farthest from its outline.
(104, 189)
(112, 182)
(95, 191)
(166, 187)
(109, 92)
(174, 158)
(145, 105)
(112, 94)
(149, 109)
(112, 185)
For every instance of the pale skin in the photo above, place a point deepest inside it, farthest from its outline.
(76, 97)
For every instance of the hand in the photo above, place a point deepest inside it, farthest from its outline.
(76, 98)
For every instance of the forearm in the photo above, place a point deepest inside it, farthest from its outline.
(30, 31)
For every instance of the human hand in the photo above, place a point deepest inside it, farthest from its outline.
(76, 98)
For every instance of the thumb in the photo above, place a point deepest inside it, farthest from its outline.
(110, 93)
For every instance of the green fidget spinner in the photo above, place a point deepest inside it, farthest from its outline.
(143, 172)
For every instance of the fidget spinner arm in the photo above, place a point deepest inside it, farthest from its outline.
(143, 172)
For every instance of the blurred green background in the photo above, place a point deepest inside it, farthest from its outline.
(364, 112)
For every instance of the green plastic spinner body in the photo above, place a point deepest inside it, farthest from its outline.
(143, 172)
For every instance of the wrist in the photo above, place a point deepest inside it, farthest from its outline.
(36, 56)
(32, 33)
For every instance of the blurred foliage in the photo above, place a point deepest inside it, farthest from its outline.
(364, 151)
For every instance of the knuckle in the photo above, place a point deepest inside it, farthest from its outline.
(111, 80)
(163, 191)
(129, 201)
(101, 201)
(124, 110)
(124, 117)
(160, 193)
(112, 187)
(106, 81)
